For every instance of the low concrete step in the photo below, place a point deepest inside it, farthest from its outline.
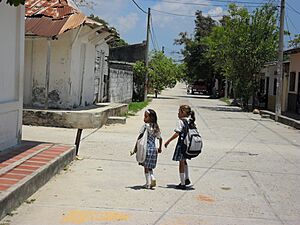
(27, 167)
(116, 120)
(266, 116)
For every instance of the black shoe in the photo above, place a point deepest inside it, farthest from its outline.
(187, 182)
(180, 186)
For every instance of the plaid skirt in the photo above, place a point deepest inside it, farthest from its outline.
(151, 155)
(178, 156)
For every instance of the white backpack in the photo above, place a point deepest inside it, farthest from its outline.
(192, 141)
(141, 147)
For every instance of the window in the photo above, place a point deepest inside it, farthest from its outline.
(274, 86)
(292, 81)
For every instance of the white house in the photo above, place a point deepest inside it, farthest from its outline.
(11, 74)
(270, 73)
(64, 56)
(294, 80)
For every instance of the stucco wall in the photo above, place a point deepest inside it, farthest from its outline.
(11, 73)
(71, 80)
(35, 73)
(82, 70)
(101, 73)
(295, 67)
(120, 83)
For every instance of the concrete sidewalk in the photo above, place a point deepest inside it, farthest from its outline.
(285, 119)
(247, 174)
(27, 167)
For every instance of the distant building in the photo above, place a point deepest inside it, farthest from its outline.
(121, 80)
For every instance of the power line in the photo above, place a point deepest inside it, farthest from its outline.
(193, 16)
(139, 7)
(287, 26)
(251, 4)
(296, 29)
(154, 36)
(292, 8)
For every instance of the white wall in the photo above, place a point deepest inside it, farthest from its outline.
(82, 69)
(35, 72)
(11, 74)
(101, 74)
(72, 78)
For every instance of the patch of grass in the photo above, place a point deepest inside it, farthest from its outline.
(134, 107)
(226, 100)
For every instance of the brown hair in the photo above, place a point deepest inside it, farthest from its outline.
(189, 112)
(153, 120)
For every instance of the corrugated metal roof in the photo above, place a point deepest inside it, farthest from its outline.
(50, 18)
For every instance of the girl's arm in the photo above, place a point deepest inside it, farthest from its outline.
(174, 136)
(160, 144)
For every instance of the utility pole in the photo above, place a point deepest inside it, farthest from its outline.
(146, 54)
(280, 62)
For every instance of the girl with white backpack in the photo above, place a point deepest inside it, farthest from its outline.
(145, 147)
(185, 113)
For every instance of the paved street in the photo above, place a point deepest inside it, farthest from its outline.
(248, 173)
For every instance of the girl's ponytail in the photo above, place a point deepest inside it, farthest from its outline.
(193, 119)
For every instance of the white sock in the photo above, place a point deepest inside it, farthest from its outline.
(152, 175)
(148, 178)
(182, 180)
(186, 171)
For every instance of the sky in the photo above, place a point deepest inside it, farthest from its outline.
(170, 17)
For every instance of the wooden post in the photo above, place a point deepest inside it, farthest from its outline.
(77, 141)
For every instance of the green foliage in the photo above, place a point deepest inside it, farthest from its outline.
(117, 41)
(15, 2)
(139, 73)
(163, 73)
(194, 52)
(242, 44)
(295, 43)
(134, 107)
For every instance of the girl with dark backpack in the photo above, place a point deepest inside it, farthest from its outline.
(153, 133)
(185, 113)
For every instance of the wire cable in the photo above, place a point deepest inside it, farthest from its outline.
(292, 8)
(251, 4)
(192, 16)
(154, 36)
(207, 4)
(139, 7)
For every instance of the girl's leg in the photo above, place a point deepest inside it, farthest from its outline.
(186, 173)
(153, 180)
(148, 178)
(181, 171)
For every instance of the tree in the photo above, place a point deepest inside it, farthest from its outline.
(295, 43)
(15, 2)
(117, 41)
(139, 71)
(242, 44)
(198, 66)
(163, 73)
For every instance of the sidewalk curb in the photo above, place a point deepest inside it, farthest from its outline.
(18, 193)
(282, 119)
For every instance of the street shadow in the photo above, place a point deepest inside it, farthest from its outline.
(138, 187)
(17, 150)
(162, 97)
(195, 96)
(173, 186)
(223, 108)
